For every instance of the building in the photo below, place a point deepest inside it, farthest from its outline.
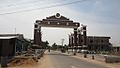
(7, 44)
(116, 48)
(98, 43)
(93, 43)
(10, 44)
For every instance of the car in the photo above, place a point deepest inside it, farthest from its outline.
(84, 51)
(63, 50)
(91, 52)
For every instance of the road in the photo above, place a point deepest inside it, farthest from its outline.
(96, 56)
(59, 60)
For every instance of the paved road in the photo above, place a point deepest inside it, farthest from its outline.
(60, 60)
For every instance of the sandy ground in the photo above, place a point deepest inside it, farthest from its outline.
(19, 63)
(43, 62)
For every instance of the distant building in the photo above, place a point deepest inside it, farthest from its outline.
(93, 43)
(116, 48)
(98, 43)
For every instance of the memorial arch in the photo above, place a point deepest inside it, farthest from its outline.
(58, 21)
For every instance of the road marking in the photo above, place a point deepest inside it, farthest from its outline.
(73, 66)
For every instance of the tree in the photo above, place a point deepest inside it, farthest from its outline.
(54, 46)
(45, 44)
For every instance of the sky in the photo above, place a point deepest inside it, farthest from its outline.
(102, 17)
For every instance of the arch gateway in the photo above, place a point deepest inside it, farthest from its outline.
(60, 21)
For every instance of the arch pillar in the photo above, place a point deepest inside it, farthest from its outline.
(75, 40)
(75, 36)
(37, 34)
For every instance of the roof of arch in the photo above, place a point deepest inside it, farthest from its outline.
(58, 21)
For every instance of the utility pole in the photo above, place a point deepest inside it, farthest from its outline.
(15, 30)
(62, 41)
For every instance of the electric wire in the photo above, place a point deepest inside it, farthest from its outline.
(51, 6)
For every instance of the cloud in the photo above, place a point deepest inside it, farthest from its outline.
(100, 16)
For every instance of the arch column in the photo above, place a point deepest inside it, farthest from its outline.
(37, 34)
(69, 40)
(75, 36)
(79, 37)
(72, 41)
(75, 40)
(85, 46)
(79, 40)
(85, 35)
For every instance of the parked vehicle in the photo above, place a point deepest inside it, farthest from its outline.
(84, 51)
(63, 50)
(91, 52)
(87, 52)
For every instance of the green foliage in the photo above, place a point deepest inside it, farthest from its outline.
(45, 44)
(59, 47)
(54, 46)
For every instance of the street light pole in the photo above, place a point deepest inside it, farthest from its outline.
(62, 41)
